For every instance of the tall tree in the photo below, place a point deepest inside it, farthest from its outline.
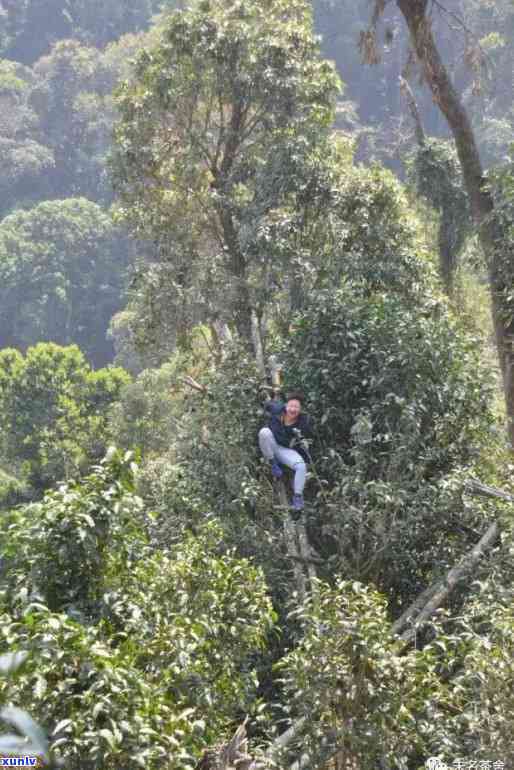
(419, 22)
(216, 143)
(26, 161)
(62, 276)
(53, 411)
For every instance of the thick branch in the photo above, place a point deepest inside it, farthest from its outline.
(453, 577)
(447, 98)
(477, 488)
(194, 384)
(292, 544)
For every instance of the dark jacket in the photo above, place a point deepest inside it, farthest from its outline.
(290, 436)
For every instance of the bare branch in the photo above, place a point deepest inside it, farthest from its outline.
(291, 544)
(406, 91)
(462, 24)
(477, 488)
(194, 384)
(438, 595)
(233, 755)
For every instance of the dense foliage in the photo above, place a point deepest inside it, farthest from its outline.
(435, 174)
(62, 275)
(53, 411)
(135, 656)
(232, 109)
(400, 410)
(149, 599)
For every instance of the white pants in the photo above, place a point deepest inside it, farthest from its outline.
(289, 457)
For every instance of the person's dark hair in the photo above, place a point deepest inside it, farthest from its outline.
(297, 395)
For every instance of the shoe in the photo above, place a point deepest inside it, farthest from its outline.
(297, 503)
(276, 470)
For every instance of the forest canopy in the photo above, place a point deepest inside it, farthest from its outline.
(209, 212)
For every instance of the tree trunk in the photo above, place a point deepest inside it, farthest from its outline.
(446, 245)
(481, 202)
(258, 346)
(406, 90)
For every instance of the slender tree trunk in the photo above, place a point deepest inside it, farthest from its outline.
(236, 263)
(406, 90)
(481, 202)
(258, 344)
(446, 246)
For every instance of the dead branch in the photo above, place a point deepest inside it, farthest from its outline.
(406, 91)
(289, 735)
(233, 756)
(443, 589)
(194, 384)
(475, 487)
(413, 610)
(427, 602)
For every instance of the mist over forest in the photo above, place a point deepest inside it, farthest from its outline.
(257, 384)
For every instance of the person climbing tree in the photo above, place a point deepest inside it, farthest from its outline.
(285, 441)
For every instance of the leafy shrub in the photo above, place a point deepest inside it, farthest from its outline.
(373, 236)
(53, 410)
(368, 699)
(100, 711)
(483, 675)
(400, 382)
(365, 699)
(60, 548)
(135, 657)
(147, 414)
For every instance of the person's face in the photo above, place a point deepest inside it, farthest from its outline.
(293, 408)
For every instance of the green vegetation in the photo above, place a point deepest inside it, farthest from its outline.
(185, 194)
(53, 411)
(233, 109)
(62, 276)
(134, 657)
